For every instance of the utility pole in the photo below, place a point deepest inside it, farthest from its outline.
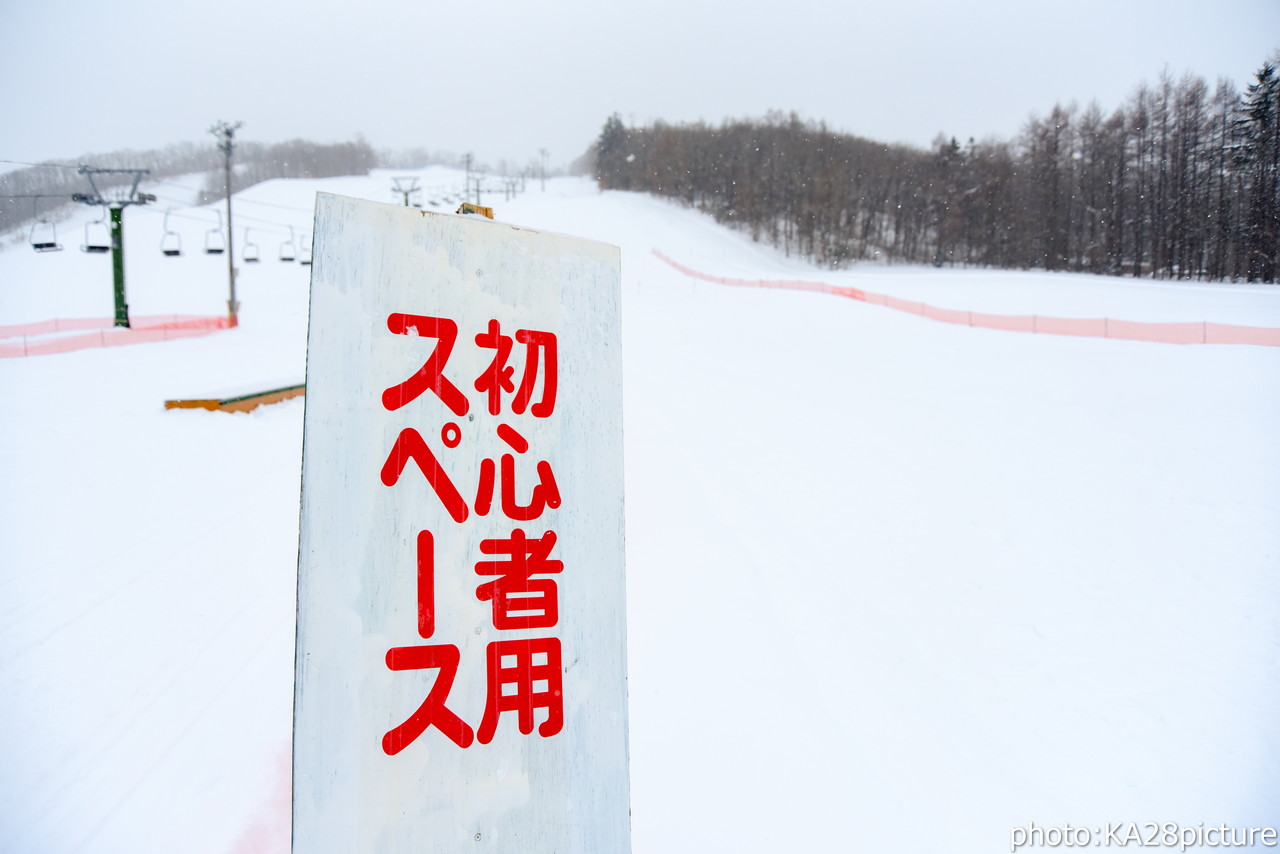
(225, 133)
(543, 153)
(117, 207)
(466, 192)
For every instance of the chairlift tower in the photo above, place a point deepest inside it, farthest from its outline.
(405, 191)
(116, 206)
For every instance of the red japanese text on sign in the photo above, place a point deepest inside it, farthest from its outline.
(522, 675)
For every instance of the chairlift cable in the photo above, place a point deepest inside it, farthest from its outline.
(38, 165)
(280, 228)
(239, 201)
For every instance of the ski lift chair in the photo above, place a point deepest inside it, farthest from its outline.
(304, 255)
(44, 236)
(250, 252)
(97, 237)
(214, 241)
(287, 250)
(171, 242)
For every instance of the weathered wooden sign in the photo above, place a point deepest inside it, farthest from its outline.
(461, 661)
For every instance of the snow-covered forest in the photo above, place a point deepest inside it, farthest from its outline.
(1178, 183)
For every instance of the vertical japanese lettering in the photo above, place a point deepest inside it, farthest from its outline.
(411, 446)
(522, 675)
(534, 343)
(431, 374)
(519, 600)
(497, 377)
(432, 712)
(531, 669)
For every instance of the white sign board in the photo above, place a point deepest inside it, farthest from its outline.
(461, 660)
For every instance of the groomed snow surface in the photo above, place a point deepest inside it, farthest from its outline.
(894, 585)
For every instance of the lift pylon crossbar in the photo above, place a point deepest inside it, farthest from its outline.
(116, 208)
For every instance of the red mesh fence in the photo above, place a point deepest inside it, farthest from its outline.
(27, 339)
(1197, 332)
(1226, 333)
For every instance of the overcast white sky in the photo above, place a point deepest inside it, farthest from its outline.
(504, 79)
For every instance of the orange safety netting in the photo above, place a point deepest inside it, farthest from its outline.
(29, 339)
(1197, 332)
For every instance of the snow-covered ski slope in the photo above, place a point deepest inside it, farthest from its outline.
(894, 585)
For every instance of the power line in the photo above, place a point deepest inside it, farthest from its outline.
(281, 227)
(241, 201)
(39, 165)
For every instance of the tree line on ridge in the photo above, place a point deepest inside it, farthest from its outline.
(1181, 182)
